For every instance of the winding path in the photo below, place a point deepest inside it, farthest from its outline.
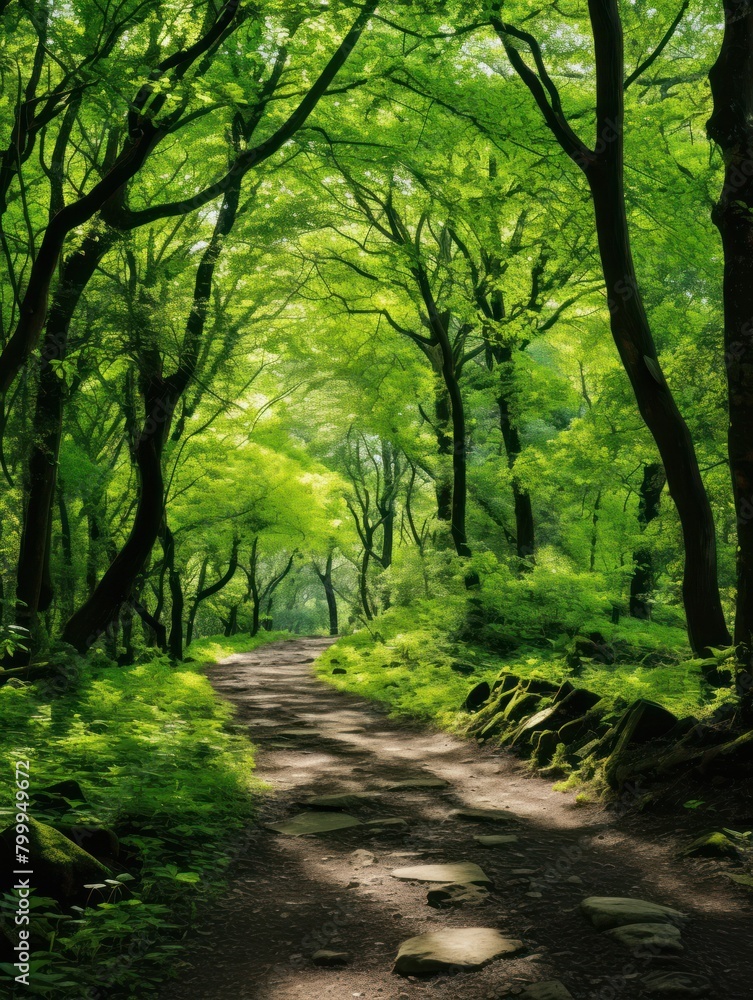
(291, 896)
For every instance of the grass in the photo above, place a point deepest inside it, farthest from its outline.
(153, 751)
(405, 660)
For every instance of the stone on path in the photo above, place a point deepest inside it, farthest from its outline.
(327, 959)
(666, 937)
(495, 839)
(617, 911)
(416, 783)
(362, 857)
(453, 949)
(458, 871)
(313, 822)
(676, 984)
(298, 732)
(341, 800)
(711, 845)
(484, 815)
(457, 894)
(552, 989)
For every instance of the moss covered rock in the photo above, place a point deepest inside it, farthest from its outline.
(61, 868)
(711, 845)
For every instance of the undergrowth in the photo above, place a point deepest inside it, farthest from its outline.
(153, 751)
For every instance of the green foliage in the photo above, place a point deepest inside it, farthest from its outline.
(159, 764)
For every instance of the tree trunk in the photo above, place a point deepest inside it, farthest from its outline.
(525, 541)
(603, 167)
(33, 584)
(642, 582)
(329, 592)
(443, 483)
(731, 127)
(92, 618)
(175, 641)
(203, 592)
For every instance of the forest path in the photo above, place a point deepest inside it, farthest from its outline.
(290, 896)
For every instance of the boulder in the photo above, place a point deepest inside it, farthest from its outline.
(606, 912)
(462, 948)
(641, 723)
(458, 871)
(61, 869)
(665, 937)
(477, 696)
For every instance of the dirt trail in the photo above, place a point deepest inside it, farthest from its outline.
(290, 896)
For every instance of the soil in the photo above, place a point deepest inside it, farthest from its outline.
(289, 897)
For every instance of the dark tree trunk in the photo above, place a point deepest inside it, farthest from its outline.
(632, 334)
(604, 170)
(594, 532)
(93, 617)
(525, 540)
(329, 591)
(67, 579)
(642, 582)
(231, 625)
(731, 127)
(33, 584)
(443, 483)
(175, 641)
(153, 624)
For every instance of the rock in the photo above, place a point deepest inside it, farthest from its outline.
(99, 841)
(340, 800)
(13, 682)
(463, 668)
(417, 783)
(327, 959)
(313, 822)
(574, 880)
(457, 894)
(642, 722)
(477, 696)
(453, 949)
(61, 869)
(484, 815)
(363, 858)
(459, 871)
(495, 840)
(676, 984)
(711, 845)
(553, 989)
(605, 912)
(53, 795)
(665, 937)
(339, 670)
